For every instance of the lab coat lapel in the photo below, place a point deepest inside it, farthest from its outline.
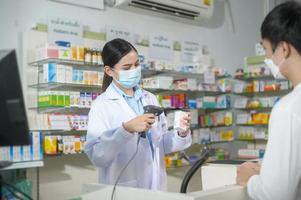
(113, 95)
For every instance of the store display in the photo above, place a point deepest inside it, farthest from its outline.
(206, 135)
(66, 99)
(219, 102)
(24, 153)
(66, 51)
(252, 118)
(57, 144)
(261, 86)
(251, 153)
(216, 119)
(172, 101)
(250, 133)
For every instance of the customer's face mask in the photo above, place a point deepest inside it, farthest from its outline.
(275, 69)
(129, 78)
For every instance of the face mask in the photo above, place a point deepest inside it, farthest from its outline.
(129, 78)
(275, 69)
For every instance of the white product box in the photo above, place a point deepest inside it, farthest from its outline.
(179, 115)
(199, 102)
(5, 154)
(26, 153)
(242, 118)
(37, 150)
(49, 73)
(248, 153)
(192, 84)
(16, 155)
(194, 116)
(64, 53)
(60, 73)
(46, 50)
(68, 74)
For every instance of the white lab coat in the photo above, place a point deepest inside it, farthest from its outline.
(109, 146)
(280, 175)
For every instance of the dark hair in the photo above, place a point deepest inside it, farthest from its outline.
(283, 24)
(112, 53)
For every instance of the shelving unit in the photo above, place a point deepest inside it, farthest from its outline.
(24, 165)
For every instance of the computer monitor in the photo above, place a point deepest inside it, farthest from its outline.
(13, 121)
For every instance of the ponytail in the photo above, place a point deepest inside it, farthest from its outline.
(107, 80)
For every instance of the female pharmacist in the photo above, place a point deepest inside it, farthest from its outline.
(116, 120)
(279, 176)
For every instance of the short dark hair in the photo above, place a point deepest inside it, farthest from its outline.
(283, 24)
(112, 53)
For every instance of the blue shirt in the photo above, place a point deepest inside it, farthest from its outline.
(135, 102)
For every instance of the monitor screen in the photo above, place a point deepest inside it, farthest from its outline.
(13, 121)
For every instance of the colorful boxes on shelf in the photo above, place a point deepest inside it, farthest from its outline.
(216, 119)
(31, 152)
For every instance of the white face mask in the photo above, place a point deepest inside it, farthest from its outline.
(275, 69)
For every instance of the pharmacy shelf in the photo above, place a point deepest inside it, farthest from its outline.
(254, 78)
(217, 126)
(262, 109)
(24, 165)
(214, 109)
(74, 63)
(172, 91)
(61, 132)
(252, 140)
(61, 110)
(177, 74)
(67, 87)
(254, 125)
(269, 93)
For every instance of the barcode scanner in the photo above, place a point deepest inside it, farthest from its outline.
(156, 110)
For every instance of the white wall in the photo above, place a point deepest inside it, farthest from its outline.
(227, 49)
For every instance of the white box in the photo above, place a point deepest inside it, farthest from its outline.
(5, 154)
(60, 73)
(68, 74)
(179, 115)
(192, 84)
(49, 73)
(26, 153)
(37, 150)
(16, 154)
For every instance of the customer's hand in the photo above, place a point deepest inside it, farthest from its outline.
(246, 171)
(140, 124)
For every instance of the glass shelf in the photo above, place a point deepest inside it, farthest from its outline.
(217, 126)
(213, 109)
(267, 78)
(254, 125)
(24, 165)
(252, 140)
(60, 131)
(269, 93)
(66, 87)
(263, 109)
(74, 63)
(177, 74)
(62, 110)
(173, 91)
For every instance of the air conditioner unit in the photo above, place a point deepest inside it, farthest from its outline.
(187, 11)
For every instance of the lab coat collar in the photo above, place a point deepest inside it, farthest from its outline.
(112, 94)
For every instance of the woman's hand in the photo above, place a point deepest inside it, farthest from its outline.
(140, 124)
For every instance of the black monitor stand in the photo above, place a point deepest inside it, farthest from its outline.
(3, 164)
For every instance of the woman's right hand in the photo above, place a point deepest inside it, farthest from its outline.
(140, 124)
